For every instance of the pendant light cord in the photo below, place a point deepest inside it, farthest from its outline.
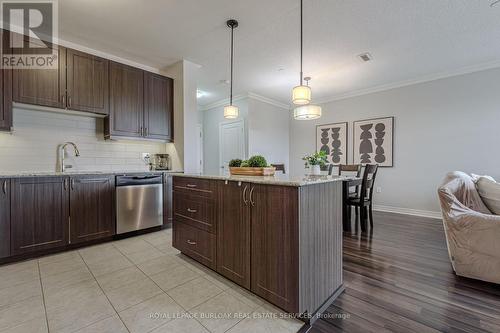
(301, 41)
(232, 54)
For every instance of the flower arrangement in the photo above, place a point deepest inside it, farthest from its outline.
(318, 158)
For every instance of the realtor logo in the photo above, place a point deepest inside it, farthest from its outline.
(30, 29)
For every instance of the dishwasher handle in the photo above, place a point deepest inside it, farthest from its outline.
(138, 180)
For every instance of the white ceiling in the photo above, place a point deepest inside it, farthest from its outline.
(408, 39)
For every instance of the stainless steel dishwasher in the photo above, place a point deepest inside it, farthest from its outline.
(139, 202)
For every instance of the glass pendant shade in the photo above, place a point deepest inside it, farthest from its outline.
(230, 112)
(307, 112)
(301, 95)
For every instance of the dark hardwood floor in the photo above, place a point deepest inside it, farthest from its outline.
(399, 279)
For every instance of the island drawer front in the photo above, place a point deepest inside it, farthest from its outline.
(196, 243)
(201, 187)
(196, 211)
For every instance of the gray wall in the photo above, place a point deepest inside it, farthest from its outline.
(440, 126)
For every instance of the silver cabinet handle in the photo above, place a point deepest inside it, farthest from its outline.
(4, 187)
(191, 185)
(72, 184)
(64, 100)
(190, 242)
(244, 195)
(65, 183)
(251, 197)
(191, 210)
(69, 101)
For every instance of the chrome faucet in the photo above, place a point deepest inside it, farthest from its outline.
(62, 153)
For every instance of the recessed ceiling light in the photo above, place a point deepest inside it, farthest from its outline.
(365, 57)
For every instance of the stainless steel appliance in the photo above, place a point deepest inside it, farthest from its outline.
(139, 202)
(161, 162)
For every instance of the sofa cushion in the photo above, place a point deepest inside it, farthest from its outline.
(489, 190)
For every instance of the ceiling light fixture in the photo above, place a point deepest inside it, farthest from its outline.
(309, 111)
(231, 111)
(302, 95)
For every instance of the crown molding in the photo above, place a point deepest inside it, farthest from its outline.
(251, 95)
(423, 79)
(269, 101)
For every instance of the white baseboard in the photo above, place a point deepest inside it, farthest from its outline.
(408, 211)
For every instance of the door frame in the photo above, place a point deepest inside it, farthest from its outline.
(243, 144)
(201, 155)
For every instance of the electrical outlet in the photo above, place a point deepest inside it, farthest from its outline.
(379, 189)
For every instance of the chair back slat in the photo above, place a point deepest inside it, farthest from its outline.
(368, 182)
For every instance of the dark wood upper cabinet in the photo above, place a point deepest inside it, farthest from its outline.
(126, 101)
(39, 214)
(87, 82)
(92, 208)
(45, 87)
(4, 218)
(158, 107)
(233, 232)
(275, 240)
(6, 95)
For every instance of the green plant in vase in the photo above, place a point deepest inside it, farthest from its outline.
(316, 161)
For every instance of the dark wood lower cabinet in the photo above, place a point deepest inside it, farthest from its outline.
(92, 208)
(39, 214)
(233, 232)
(283, 243)
(4, 218)
(275, 239)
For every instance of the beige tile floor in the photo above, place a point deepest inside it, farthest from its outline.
(139, 284)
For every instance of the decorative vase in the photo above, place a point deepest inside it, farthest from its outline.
(315, 170)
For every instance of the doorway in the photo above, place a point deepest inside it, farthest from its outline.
(231, 143)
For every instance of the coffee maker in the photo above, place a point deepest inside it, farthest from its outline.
(161, 162)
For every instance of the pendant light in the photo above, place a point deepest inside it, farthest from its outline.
(302, 95)
(231, 111)
(309, 111)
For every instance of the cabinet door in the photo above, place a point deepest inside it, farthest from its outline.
(45, 87)
(87, 82)
(4, 218)
(275, 240)
(158, 107)
(233, 232)
(92, 208)
(6, 95)
(126, 101)
(39, 214)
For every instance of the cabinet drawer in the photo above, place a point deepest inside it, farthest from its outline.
(195, 210)
(196, 243)
(201, 187)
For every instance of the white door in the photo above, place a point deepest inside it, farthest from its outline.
(231, 143)
(199, 149)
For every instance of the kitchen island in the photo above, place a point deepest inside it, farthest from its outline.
(279, 237)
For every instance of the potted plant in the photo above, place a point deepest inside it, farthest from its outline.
(316, 161)
(254, 166)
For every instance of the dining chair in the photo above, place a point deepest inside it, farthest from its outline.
(279, 167)
(352, 169)
(364, 198)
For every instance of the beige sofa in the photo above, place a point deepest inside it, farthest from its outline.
(472, 232)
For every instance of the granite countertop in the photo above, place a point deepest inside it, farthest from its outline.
(78, 173)
(278, 179)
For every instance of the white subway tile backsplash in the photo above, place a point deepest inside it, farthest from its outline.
(32, 146)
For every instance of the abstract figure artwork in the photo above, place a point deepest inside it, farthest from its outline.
(373, 141)
(332, 139)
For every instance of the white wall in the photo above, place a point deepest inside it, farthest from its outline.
(32, 146)
(268, 132)
(440, 126)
